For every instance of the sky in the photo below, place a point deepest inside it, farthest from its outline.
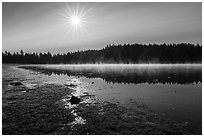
(43, 27)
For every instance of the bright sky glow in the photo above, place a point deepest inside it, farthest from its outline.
(61, 27)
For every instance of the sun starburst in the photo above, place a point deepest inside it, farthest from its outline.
(75, 17)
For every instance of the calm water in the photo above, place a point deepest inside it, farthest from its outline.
(173, 90)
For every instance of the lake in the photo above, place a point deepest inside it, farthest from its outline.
(174, 90)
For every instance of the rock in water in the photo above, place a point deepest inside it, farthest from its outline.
(74, 100)
(71, 85)
(16, 83)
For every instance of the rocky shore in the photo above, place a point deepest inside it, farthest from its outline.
(47, 110)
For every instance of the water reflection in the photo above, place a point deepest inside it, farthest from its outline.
(166, 74)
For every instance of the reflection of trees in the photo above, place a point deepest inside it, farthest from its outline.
(166, 76)
(127, 53)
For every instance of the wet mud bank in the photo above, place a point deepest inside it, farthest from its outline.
(47, 110)
(34, 111)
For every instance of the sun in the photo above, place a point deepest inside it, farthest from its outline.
(76, 21)
(75, 18)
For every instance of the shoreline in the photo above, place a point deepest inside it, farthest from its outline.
(43, 108)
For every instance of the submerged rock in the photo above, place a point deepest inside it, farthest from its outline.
(74, 100)
(16, 83)
(71, 85)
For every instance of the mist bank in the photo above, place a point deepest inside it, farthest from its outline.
(115, 54)
(127, 73)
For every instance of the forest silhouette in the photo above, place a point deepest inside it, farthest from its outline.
(121, 53)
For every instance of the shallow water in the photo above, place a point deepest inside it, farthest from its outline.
(173, 90)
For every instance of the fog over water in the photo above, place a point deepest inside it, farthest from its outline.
(130, 73)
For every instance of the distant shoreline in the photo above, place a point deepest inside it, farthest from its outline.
(115, 54)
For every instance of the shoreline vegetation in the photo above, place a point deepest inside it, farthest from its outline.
(115, 54)
(45, 109)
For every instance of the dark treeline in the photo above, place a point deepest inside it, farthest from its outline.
(126, 53)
